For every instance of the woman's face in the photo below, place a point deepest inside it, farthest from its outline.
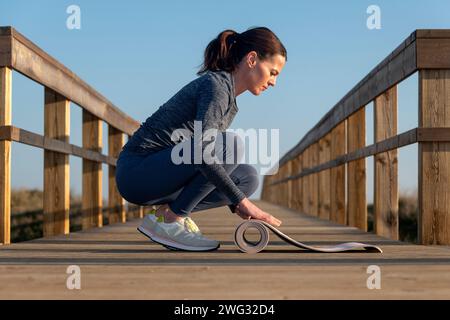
(263, 73)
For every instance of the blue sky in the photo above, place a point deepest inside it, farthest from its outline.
(140, 53)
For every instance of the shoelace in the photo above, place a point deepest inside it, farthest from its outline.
(191, 226)
(188, 222)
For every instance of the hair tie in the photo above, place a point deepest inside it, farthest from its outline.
(234, 37)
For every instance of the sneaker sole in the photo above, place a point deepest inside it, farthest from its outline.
(173, 245)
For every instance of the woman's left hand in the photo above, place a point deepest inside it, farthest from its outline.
(241, 214)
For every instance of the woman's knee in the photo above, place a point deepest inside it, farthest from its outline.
(233, 146)
(248, 179)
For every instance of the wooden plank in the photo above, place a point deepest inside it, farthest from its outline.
(5, 51)
(434, 159)
(386, 167)
(432, 33)
(277, 192)
(5, 156)
(356, 173)
(433, 134)
(92, 173)
(398, 141)
(116, 204)
(36, 140)
(295, 184)
(283, 187)
(56, 204)
(305, 182)
(433, 53)
(314, 181)
(33, 62)
(117, 256)
(264, 188)
(337, 176)
(289, 184)
(324, 205)
(399, 65)
(300, 184)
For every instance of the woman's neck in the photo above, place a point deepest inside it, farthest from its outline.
(239, 82)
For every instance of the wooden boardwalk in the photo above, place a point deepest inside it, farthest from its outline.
(117, 262)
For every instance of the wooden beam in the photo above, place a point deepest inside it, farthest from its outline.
(30, 60)
(356, 173)
(433, 53)
(36, 140)
(397, 66)
(289, 184)
(337, 183)
(305, 181)
(5, 156)
(116, 203)
(386, 167)
(295, 184)
(314, 181)
(395, 142)
(92, 173)
(434, 159)
(5, 48)
(56, 166)
(324, 178)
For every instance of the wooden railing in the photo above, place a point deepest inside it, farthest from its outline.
(61, 86)
(312, 176)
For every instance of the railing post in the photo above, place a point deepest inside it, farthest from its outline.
(5, 156)
(314, 181)
(386, 167)
(279, 187)
(56, 205)
(434, 159)
(92, 173)
(324, 178)
(300, 184)
(295, 187)
(337, 197)
(289, 184)
(356, 173)
(265, 188)
(271, 189)
(116, 203)
(305, 181)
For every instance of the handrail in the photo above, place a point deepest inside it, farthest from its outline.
(414, 53)
(312, 175)
(22, 55)
(61, 87)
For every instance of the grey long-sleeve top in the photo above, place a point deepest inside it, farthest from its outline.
(211, 99)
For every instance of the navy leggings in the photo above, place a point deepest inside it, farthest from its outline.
(154, 179)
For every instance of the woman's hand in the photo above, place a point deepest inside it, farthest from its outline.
(247, 210)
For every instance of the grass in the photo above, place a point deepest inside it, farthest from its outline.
(408, 212)
(27, 213)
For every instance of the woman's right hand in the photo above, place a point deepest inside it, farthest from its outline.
(247, 210)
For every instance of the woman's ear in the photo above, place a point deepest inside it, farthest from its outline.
(252, 58)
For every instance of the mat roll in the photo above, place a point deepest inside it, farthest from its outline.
(263, 228)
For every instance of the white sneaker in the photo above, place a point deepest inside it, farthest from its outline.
(178, 235)
(152, 214)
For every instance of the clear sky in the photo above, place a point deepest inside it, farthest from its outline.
(140, 53)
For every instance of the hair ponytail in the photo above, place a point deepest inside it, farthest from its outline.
(229, 47)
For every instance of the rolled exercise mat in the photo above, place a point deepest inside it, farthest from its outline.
(263, 229)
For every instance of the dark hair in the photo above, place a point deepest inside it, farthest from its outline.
(229, 47)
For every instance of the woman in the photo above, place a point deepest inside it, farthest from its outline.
(148, 169)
